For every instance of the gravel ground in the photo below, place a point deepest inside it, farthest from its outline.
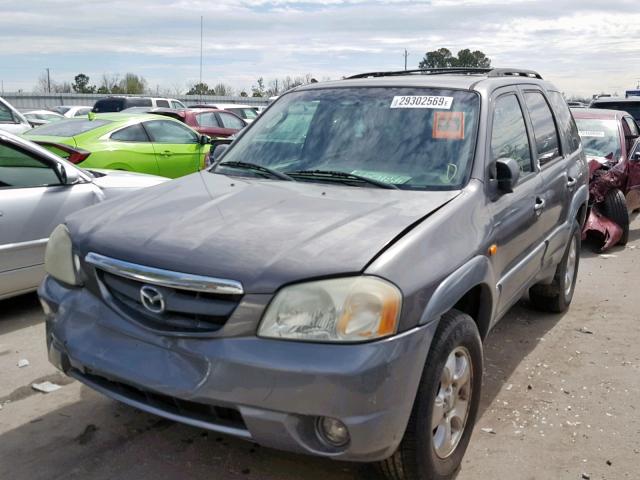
(559, 401)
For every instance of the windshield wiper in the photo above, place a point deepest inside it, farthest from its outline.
(257, 168)
(336, 174)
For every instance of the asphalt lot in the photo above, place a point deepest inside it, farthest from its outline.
(560, 399)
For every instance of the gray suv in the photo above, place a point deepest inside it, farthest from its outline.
(325, 287)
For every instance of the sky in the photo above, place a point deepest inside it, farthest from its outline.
(583, 46)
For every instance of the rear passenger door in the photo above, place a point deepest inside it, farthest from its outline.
(209, 124)
(231, 122)
(560, 169)
(177, 147)
(519, 253)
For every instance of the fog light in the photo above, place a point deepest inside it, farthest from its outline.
(333, 431)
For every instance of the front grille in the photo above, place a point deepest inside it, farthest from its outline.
(185, 310)
(201, 412)
(191, 304)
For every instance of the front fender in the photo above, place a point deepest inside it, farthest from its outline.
(477, 272)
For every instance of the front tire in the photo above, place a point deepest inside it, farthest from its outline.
(614, 207)
(446, 405)
(557, 296)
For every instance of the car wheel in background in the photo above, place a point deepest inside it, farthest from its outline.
(614, 208)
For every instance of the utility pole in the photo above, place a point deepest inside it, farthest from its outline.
(201, 36)
(406, 54)
(48, 81)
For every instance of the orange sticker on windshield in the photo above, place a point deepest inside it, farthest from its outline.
(448, 125)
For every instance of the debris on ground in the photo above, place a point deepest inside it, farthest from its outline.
(608, 255)
(585, 330)
(488, 430)
(586, 476)
(46, 387)
(23, 362)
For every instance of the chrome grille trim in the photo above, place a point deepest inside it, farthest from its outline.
(165, 278)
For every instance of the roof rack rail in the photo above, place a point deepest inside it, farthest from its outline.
(514, 72)
(490, 72)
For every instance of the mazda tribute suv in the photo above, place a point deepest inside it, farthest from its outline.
(326, 285)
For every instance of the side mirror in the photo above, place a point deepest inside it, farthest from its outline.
(635, 157)
(219, 150)
(204, 140)
(507, 174)
(68, 176)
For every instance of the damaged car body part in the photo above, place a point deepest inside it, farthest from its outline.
(347, 256)
(608, 138)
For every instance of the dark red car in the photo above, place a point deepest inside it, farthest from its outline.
(208, 121)
(609, 139)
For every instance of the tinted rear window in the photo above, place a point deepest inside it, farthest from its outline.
(118, 104)
(69, 128)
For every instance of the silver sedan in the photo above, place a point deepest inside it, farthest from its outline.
(37, 191)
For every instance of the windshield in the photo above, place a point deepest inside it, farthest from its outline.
(600, 138)
(413, 138)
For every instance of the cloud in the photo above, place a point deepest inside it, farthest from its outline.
(585, 46)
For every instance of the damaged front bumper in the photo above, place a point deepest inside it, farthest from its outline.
(607, 230)
(268, 391)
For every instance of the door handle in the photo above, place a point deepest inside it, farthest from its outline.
(539, 206)
(167, 153)
(571, 182)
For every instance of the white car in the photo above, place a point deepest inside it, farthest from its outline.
(42, 117)
(70, 111)
(245, 112)
(37, 191)
(11, 120)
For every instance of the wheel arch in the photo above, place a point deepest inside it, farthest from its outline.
(468, 290)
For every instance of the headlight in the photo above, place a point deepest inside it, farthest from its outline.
(59, 260)
(352, 309)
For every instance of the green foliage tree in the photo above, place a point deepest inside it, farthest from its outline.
(443, 58)
(199, 89)
(81, 84)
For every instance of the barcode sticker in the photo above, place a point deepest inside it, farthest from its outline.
(421, 101)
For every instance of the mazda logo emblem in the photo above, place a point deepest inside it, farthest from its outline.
(152, 299)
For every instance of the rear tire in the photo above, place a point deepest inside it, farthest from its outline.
(614, 208)
(450, 385)
(557, 296)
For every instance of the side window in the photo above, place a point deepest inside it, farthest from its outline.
(230, 121)
(20, 170)
(509, 137)
(544, 128)
(134, 133)
(566, 123)
(207, 119)
(6, 116)
(176, 104)
(162, 103)
(163, 131)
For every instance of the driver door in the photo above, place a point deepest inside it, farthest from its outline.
(177, 148)
(33, 201)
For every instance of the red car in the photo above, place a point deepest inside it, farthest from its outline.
(208, 121)
(609, 139)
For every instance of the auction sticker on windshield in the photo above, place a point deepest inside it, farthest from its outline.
(591, 133)
(421, 101)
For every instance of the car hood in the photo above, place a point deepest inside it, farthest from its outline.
(263, 233)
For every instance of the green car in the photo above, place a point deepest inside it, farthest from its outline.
(119, 141)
